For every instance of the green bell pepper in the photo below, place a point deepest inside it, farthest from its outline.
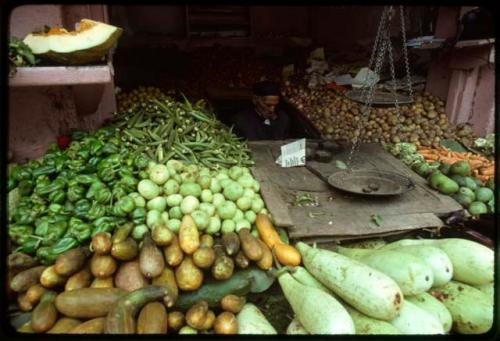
(129, 182)
(103, 196)
(86, 179)
(75, 193)
(79, 229)
(82, 208)
(138, 216)
(119, 192)
(55, 232)
(77, 135)
(25, 187)
(53, 147)
(96, 211)
(110, 148)
(60, 162)
(106, 174)
(141, 161)
(143, 175)
(42, 225)
(63, 245)
(104, 224)
(96, 147)
(94, 161)
(19, 232)
(55, 209)
(94, 188)
(45, 256)
(29, 245)
(11, 183)
(127, 204)
(20, 173)
(76, 164)
(24, 215)
(44, 170)
(57, 184)
(57, 197)
(83, 152)
(118, 212)
(68, 208)
(36, 199)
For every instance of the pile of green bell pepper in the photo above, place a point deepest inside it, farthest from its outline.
(69, 195)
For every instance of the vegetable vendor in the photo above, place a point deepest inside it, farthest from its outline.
(264, 121)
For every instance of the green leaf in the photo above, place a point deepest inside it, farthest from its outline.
(376, 219)
(340, 164)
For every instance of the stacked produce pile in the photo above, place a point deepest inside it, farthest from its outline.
(412, 286)
(337, 118)
(142, 94)
(164, 128)
(467, 177)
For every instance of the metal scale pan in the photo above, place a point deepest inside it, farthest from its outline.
(371, 182)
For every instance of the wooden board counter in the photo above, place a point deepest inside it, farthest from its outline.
(341, 215)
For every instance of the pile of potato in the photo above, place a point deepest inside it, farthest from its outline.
(116, 284)
(337, 118)
(140, 95)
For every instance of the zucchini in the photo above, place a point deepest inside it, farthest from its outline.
(252, 321)
(295, 328)
(240, 283)
(433, 306)
(366, 325)
(470, 309)
(368, 290)
(316, 310)
(472, 262)
(414, 320)
(411, 274)
(437, 260)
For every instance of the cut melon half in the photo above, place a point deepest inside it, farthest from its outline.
(90, 41)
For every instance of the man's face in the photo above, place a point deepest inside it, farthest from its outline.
(266, 105)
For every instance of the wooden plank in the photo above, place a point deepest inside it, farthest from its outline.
(275, 204)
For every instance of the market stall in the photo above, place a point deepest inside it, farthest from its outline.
(151, 216)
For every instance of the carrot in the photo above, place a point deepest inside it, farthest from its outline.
(474, 164)
(487, 171)
(431, 157)
(483, 178)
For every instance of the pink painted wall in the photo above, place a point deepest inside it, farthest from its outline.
(38, 114)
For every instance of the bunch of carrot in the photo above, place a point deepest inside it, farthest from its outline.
(482, 168)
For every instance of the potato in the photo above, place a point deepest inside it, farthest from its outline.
(152, 319)
(189, 236)
(173, 253)
(167, 279)
(71, 261)
(151, 260)
(125, 250)
(204, 257)
(188, 276)
(102, 266)
(175, 320)
(197, 314)
(232, 303)
(81, 279)
(50, 278)
(226, 323)
(25, 279)
(101, 243)
(129, 277)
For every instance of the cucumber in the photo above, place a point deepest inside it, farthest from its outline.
(472, 262)
(414, 320)
(411, 274)
(368, 290)
(470, 309)
(252, 321)
(433, 306)
(437, 260)
(240, 283)
(295, 328)
(316, 310)
(366, 325)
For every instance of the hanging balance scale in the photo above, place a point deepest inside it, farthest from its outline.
(376, 182)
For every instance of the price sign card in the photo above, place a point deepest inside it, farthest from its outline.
(293, 154)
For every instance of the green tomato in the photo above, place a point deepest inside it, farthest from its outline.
(249, 193)
(177, 165)
(164, 217)
(174, 225)
(201, 219)
(175, 213)
(256, 186)
(153, 217)
(241, 224)
(171, 187)
(250, 216)
(207, 208)
(148, 189)
(227, 210)
(233, 191)
(214, 225)
(222, 176)
(228, 226)
(257, 205)
(139, 231)
(218, 199)
(215, 186)
(204, 181)
(235, 172)
(244, 203)
(207, 196)
(174, 200)
(158, 203)
(138, 199)
(189, 204)
(239, 215)
(190, 188)
(159, 174)
(246, 181)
